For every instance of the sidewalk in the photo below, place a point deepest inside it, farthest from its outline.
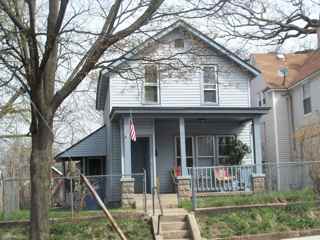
(304, 238)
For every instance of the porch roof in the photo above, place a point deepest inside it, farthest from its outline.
(93, 145)
(222, 113)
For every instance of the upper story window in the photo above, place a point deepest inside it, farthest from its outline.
(306, 92)
(151, 84)
(210, 85)
(179, 43)
(261, 99)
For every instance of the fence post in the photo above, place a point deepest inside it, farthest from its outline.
(71, 196)
(193, 182)
(153, 199)
(145, 190)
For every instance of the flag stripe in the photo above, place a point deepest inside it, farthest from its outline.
(132, 131)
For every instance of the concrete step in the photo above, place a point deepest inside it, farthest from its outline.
(171, 226)
(175, 234)
(173, 218)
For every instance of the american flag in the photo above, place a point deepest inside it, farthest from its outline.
(132, 131)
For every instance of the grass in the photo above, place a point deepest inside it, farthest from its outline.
(84, 230)
(306, 195)
(259, 220)
(53, 213)
(57, 213)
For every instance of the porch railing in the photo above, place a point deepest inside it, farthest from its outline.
(223, 178)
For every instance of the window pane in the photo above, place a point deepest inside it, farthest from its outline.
(205, 146)
(307, 105)
(209, 75)
(188, 147)
(210, 96)
(151, 94)
(151, 73)
(179, 43)
(306, 90)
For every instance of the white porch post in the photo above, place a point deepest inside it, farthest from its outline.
(183, 147)
(257, 143)
(127, 181)
(126, 151)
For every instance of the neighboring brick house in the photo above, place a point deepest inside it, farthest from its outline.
(290, 85)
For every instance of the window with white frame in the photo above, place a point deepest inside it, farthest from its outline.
(151, 84)
(210, 84)
(189, 151)
(306, 92)
(205, 150)
(223, 142)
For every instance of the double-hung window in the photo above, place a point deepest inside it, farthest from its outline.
(223, 143)
(306, 92)
(210, 85)
(189, 151)
(151, 84)
(205, 150)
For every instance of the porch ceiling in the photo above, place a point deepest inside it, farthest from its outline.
(219, 113)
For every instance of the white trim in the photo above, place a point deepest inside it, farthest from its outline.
(187, 157)
(197, 157)
(276, 136)
(308, 78)
(197, 33)
(202, 88)
(121, 146)
(157, 84)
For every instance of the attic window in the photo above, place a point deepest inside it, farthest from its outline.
(179, 43)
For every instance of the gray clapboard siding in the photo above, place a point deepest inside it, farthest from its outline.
(183, 87)
(116, 161)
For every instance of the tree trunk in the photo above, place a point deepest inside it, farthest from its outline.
(40, 163)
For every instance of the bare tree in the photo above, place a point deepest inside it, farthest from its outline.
(36, 60)
(271, 21)
(308, 137)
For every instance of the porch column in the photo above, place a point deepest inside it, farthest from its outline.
(126, 151)
(127, 181)
(183, 147)
(257, 143)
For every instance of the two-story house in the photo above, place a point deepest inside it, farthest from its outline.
(187, 97)
(290, 85)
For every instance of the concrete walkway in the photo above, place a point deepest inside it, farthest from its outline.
(304, 238)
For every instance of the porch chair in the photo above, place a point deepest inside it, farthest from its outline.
(223, 177)
(175, 172)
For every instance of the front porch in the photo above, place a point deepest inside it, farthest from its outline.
(186, 138)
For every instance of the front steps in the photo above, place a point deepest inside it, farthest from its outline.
(168, 201)
(175, 224)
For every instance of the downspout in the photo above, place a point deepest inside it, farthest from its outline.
(275, 122)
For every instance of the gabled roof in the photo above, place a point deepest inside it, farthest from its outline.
(185, 26)
(93, 145)
(300, 65)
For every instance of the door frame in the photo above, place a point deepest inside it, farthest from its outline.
(149, 137)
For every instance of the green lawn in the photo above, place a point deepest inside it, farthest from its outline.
(259, 220)
(97, 229)
(57, 213)
(271, 197)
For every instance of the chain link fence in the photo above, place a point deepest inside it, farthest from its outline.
(67, 194)
(268, 178)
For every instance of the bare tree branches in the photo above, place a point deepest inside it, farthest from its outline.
(273, 22)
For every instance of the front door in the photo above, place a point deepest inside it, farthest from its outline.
(140, 160)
